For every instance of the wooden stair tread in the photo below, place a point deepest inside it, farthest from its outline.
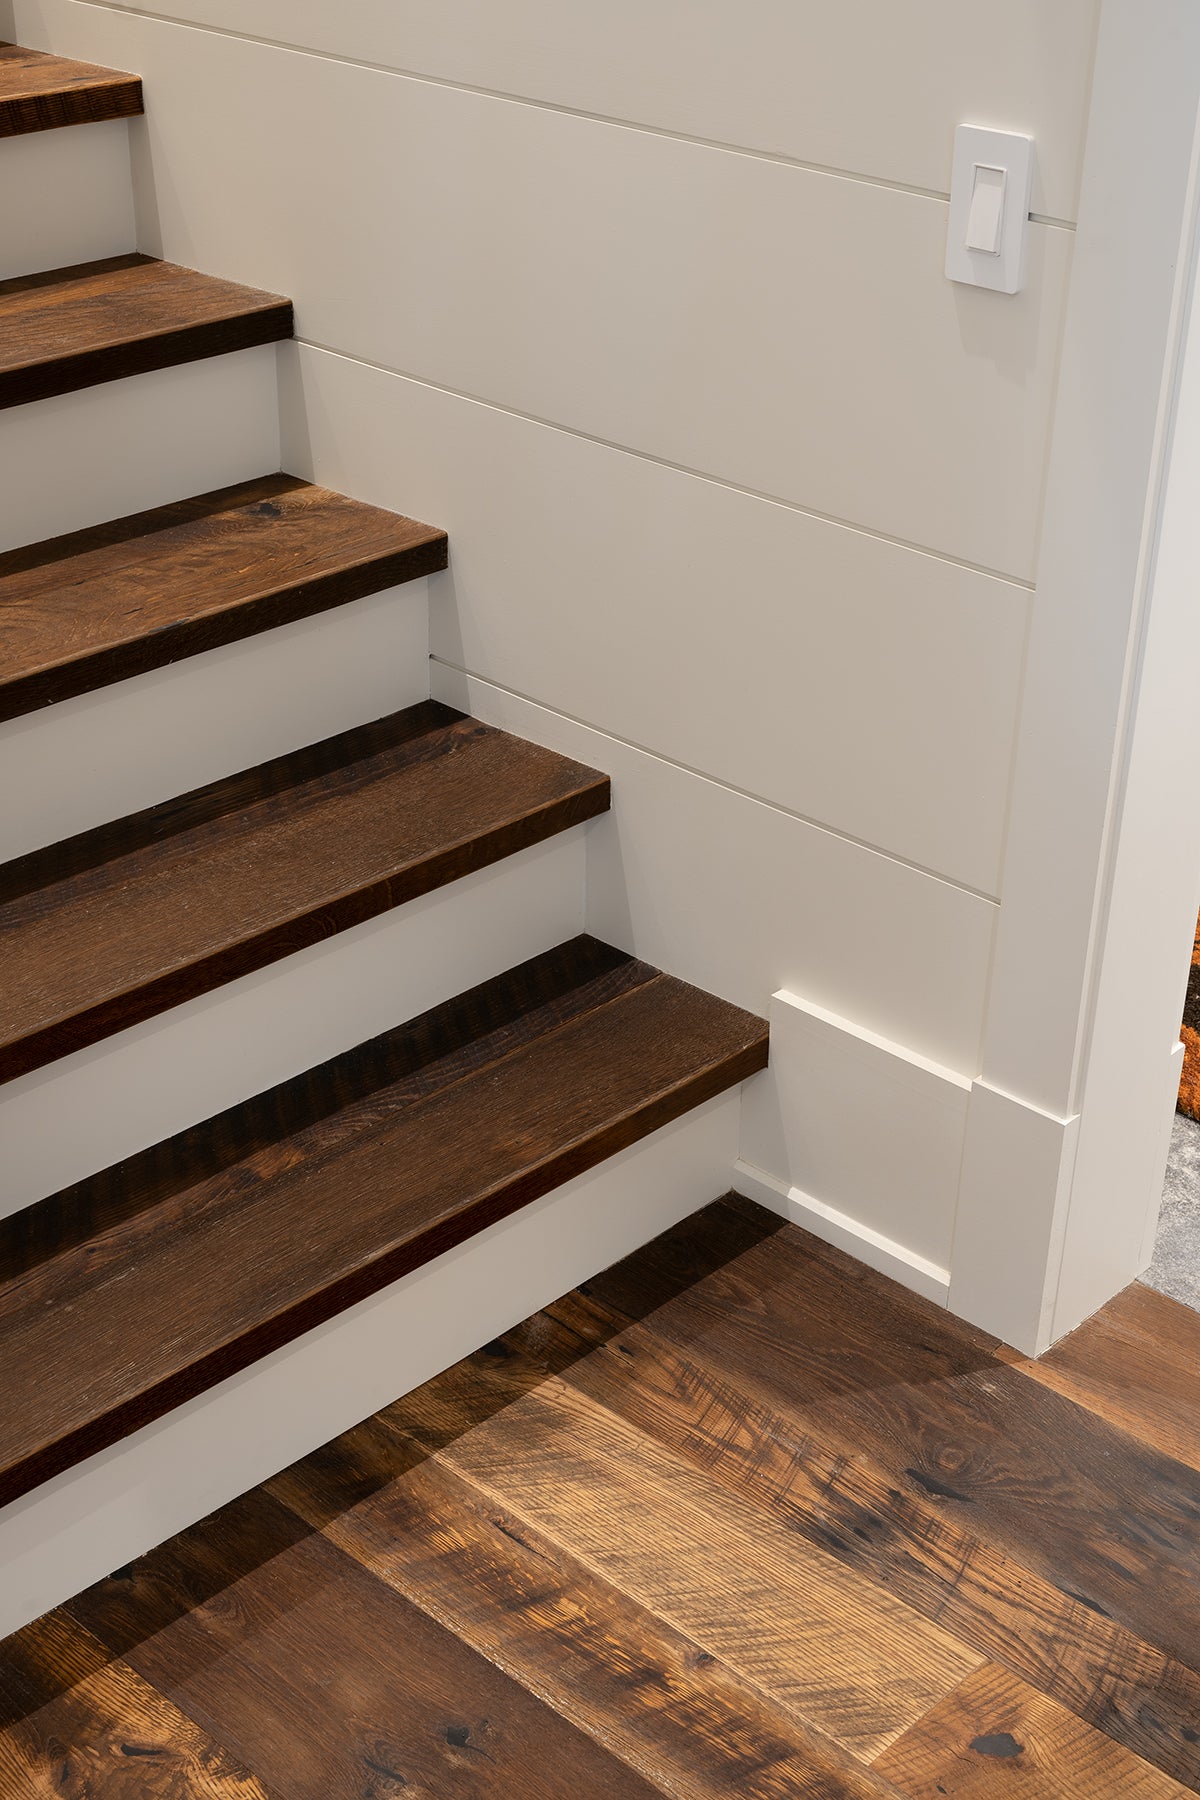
(125, 315)
(82, 611)
(223, 1244)
(109, 928)
(39, 92)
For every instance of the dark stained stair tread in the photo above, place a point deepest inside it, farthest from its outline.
(39, 92)
(109, 928)
(97, 606)
(142, 1287)
(71, 328)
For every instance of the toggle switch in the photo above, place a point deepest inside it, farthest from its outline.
(985, 222)
(989, 208)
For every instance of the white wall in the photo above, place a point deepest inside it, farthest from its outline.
(845, 573)
(744, 498)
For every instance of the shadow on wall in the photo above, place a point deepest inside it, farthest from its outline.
(8, 30)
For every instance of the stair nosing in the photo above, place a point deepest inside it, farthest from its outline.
(257, 609)
(529, 1176)
(263, 318)
(325, 911)
(104, 95)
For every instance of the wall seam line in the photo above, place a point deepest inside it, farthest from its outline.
(663, 462)
(729, 787)
(574, 112)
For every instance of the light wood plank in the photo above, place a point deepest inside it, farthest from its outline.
(672, 1710)
(835, 1650)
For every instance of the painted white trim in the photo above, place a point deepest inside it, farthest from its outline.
(832, 1227)
(1044, 1236)
(75, 1529)
(863, 1134)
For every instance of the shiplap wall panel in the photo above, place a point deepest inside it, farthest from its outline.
(730, 894)
(800, 78)
(637, 597)
(787, 331)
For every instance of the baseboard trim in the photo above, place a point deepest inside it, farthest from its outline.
(832, 1227)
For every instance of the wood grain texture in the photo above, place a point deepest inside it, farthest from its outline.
(254, 1622)
(452, 1134)
(838, 1653)
(1136, 1364)
(74, 1722)
(39, 92)
(995, 1738)
(125, 315)
(98, 606)
(901, 1381)
(107, 929)
(632, 1536)
(747, 1418)
(614, 1667)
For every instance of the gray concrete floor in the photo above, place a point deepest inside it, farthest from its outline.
(1176, 1266)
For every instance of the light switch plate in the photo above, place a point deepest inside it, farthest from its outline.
(979, 153)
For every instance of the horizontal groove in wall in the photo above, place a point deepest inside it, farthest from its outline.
(590, 437)
(572, 112)
(729, 787)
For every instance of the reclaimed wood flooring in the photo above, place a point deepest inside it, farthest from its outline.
(736, 1518)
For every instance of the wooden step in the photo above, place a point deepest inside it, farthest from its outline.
(136, 1290)
(100, 321)
(122, 922)
(80, 612)
(40, 92)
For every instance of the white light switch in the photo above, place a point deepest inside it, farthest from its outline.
(985, 223)
(989, 208)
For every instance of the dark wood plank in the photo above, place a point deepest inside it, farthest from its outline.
(39, 92)
(880, 1373)
(108, 929)
(327, 1683)
(614, 1668)
(97, 606)
(1136, 1364)
(723, 1411)
(133, 1322)
(74, 1721)
(101, 321)
(997, 1739)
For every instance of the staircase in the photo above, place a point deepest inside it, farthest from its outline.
(168, 968)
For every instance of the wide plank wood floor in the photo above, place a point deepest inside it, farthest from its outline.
(735, 1518)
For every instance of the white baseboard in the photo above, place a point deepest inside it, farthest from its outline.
(109, 753)
(65, 197)
(861, 1140)
(89, 1110)
(122, 446)
(97, 1517)
(845, 1233)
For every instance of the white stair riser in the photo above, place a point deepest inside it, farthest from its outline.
(88, 1110)
(66, 197)
(78, 459)
(112, 752)
(76, 1529)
